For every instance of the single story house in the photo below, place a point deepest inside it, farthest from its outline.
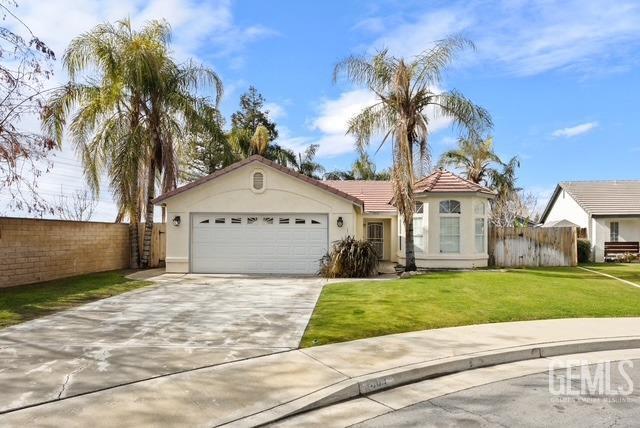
(609, 211)
(256, 216)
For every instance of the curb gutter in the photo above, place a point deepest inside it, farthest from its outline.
(372, 383)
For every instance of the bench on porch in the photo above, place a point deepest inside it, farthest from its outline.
(615, 250)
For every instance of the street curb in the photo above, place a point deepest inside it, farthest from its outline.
(372, 383)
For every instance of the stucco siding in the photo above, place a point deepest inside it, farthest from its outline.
(467, 257)
(232, 193)
(628, 230)
(566, 208)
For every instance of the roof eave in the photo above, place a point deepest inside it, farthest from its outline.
(256, 158)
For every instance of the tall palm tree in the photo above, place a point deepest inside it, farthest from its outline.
(475, 157)
(127, 120)
(406, 91)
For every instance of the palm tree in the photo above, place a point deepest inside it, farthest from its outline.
(129, 119)
(475, 157)
(405, 92)
(244, 144)
(362, 168)
(307, 164)
(260, 140)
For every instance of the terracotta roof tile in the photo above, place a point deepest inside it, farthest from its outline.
(375, 194)
(264, 161)
(443, 181)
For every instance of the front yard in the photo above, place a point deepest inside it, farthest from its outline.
(25, 302)
(357, 310)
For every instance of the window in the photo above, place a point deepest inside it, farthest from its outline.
(418, 228)
(479, 229)
(284, 220)
(252, 220)
(300, 221)
(449, 207)
(315, 222)
(267, 220)
(479, 210)
(236, 220)
(204, 221)
(257, 181)
(449, 226)
(614, 231)
(220, 220)
(449, 235)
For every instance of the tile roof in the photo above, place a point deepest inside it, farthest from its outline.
(375, 194)
(443, 181)
(617, 197)
(264, 161)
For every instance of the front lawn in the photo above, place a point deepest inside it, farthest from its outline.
(628, 271)
(357, 310)
(25, 302)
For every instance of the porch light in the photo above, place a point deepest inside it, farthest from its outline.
(176, 221)
(340, 222)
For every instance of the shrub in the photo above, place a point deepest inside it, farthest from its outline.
(584, 250)
(350, 258)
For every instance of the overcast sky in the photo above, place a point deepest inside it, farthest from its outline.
(559, 77)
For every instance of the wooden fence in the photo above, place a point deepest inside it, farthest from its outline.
(532, 246)
(158, 243)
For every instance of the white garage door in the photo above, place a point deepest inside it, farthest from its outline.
(258, 243)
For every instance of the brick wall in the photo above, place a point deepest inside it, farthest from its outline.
(40, 250)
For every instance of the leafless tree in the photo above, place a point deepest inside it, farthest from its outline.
(513, 209)
(79, 206)
(25, 64)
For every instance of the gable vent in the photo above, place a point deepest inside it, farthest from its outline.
(258, 180)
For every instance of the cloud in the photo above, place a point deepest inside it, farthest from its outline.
(526, 37)
(276, 111)
(205, 31)
(574, 131)
(331, 123)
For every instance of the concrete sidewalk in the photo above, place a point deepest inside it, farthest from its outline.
(259, 390)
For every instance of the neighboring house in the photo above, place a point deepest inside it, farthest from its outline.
(609, 211)
(256, 216)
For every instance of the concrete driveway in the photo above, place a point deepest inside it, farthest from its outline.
(181, 323)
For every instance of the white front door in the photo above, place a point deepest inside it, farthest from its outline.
(258, 243)
(375, 235)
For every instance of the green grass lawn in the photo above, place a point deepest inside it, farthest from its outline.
(628, 271)
(357, 310)
(25, 302)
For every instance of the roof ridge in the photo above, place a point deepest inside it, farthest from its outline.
(600, 181)
(264, 161)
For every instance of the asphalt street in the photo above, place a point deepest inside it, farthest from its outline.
(601, 396)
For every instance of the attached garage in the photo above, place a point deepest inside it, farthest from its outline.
(256, 217)
(258, 243)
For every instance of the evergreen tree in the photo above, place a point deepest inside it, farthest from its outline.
(252, 114)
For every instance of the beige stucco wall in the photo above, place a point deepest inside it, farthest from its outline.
(628, 230)
(389, 231)
(431, 256)
(566, 208)
(231, 193)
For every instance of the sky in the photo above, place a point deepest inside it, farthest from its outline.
(560, 78)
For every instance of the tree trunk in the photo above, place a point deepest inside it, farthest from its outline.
(148, 217)
(409, 250)
(134, 243)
